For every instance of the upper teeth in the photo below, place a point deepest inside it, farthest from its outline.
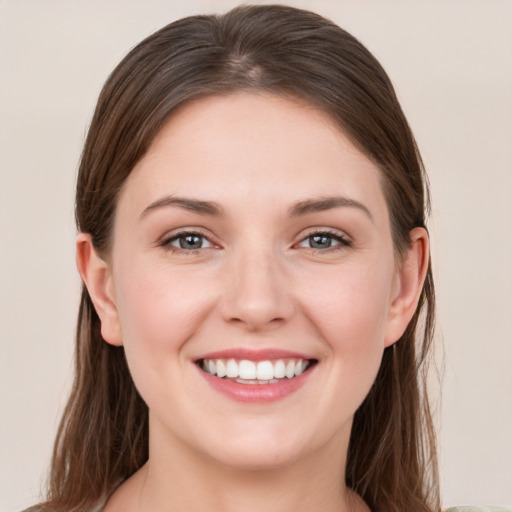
(252, 370)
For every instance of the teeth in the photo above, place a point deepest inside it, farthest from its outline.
(251, 372)
(232, 369)
(254, 381)
(221, 368)
(300, 366)
(290, 369)
(279, 369)
(265, 370)
(246, 370)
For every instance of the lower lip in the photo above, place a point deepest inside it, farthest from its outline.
(256, 393)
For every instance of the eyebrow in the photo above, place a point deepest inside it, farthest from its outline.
(193, 205)
(326, 203)
(214, 209)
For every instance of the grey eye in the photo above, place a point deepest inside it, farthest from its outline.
(320, 241)
(189, 241)
(323, 240)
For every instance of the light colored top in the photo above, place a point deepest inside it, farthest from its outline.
(479, 509)
(452, 509)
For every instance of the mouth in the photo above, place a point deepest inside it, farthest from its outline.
(256, 376)
(249, 372)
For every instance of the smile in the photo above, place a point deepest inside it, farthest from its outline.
(245, 371)
(256, 377)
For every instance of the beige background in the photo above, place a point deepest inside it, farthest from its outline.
(452, 64)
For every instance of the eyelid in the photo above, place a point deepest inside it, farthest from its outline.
(165, 241)
(340, 236)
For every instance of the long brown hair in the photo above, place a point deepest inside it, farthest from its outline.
(103, 436)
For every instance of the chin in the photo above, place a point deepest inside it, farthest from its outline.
(257, 457)
(265, 445)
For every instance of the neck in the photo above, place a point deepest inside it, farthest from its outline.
(177, 477)
(191, 481)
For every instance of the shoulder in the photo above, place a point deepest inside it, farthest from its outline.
(47, 507)
(478, 509)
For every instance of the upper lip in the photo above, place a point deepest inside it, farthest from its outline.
(253, 355)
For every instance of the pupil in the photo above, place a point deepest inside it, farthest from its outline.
(320, 241)
(191, 242)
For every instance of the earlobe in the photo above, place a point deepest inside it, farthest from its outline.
(97, 277)
(410, 278)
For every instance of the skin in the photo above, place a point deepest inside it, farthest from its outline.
(258, 281)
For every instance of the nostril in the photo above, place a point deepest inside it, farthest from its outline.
(255, 322)
(258, 300)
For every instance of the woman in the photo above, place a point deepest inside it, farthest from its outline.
(251, 212)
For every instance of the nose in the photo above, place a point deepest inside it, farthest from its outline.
(258, 297)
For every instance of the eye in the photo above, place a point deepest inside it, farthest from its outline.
(323, 240)
(188, 241)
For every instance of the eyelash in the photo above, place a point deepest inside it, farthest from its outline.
(341, 240)
(166, 243)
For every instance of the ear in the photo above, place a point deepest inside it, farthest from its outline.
(408, 285)
(97, 277)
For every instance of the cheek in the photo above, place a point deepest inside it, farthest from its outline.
(351, 307)
(159, 310)
(350, 310)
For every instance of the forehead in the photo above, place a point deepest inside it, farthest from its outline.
(252, 147)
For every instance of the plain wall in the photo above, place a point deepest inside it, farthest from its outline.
(451, 62)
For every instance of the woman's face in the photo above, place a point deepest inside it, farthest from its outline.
(253, 239)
